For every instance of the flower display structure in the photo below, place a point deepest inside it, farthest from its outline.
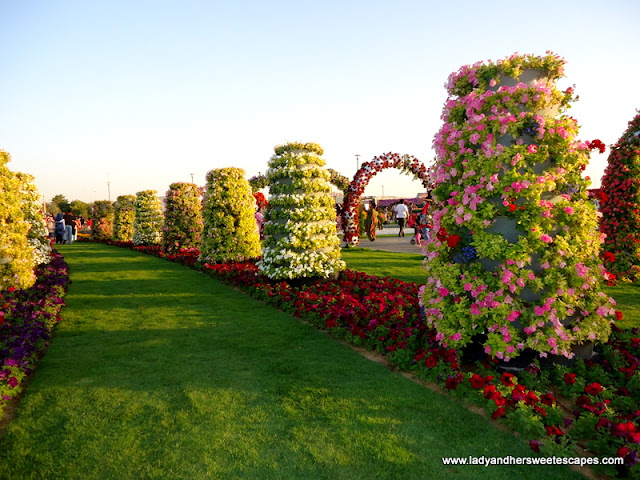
(301, 237)
(147, 224)
(101, 219)
(182, 217)
(406, 163)
(261, 200)
(38, 235)
(124, 217)
(16, 257)
(230, 229)
(620, 204)
(515, 257)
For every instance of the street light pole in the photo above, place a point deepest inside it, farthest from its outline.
(191, 177)
(109, 190)
(357, 161)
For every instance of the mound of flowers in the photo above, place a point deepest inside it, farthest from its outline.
(38, 235)
(230, 228)
(27, 319)
(515, 262)
(301, 237)
(16, 257)
(124, 217)
(101, 219)
(182, 217)
(620, 204)
(147, 224)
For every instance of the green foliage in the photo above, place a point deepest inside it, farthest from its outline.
(230, 228)
(124, 217)
(80, 208)
(102, 219)
(182, 217)
(147, 225)
(62, 203)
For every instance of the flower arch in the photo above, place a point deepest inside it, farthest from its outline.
(406, 163)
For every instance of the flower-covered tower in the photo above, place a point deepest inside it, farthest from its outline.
(102, 219)
(38, 236)
(16, 258)
(124, 217)
(514, 262)
(302, 241)
(620, 204)
(230, 230)
(147, 225)
(182, 217)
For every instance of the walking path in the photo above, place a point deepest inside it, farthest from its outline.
(391, 243)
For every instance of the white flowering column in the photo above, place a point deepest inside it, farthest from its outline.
(147, 226)
(38, 236)
(515, 255)
(302, 240)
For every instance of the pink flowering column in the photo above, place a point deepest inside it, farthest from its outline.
(516, 249)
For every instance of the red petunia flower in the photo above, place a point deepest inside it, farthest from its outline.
(547, 399)
(530, 398)
(535, 445)
(619, 315)
(569, 378)
(553, 430)
(453, 240)
(593, 388)
(507, 379)
(609, 257)
(498, 412)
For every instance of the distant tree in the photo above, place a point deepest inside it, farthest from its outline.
(62, 203)
(79, 208)
(53, 208)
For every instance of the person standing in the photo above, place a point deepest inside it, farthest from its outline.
(69, 226)
(60, 230)
(372, 221)
(402, 213)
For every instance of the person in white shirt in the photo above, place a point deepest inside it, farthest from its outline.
(402, 213)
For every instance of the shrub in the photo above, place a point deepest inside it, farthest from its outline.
(102, 219)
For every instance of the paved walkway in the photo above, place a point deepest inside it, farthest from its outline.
(393, 243)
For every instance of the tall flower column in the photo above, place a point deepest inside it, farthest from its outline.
(16, 258)
(102, 219)
(124, 217)
(515, 258)
(182, 217)
(147, 225)
(620, 204)
(230, 230)
(302, 241)
(38, 236)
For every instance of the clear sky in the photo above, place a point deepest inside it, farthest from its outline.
(145, 93)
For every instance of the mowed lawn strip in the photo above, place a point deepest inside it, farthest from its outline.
(160, 372)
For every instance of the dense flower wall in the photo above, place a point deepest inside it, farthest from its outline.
(302, 240)
(124, 216)
(620, 204)
(147, 225)
(182, 217)
(101, 219)
(230, 228)
(38, 235)
(16, 258)
(516, 255)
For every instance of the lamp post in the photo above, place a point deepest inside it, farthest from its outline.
(191, 177)
(382, 191)
(109, 191)
(357, 162)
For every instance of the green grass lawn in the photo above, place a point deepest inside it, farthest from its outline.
(160, 372)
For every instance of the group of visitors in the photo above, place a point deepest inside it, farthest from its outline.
(420, 219)
(63, 228)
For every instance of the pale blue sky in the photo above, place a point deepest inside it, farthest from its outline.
(145, 93)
